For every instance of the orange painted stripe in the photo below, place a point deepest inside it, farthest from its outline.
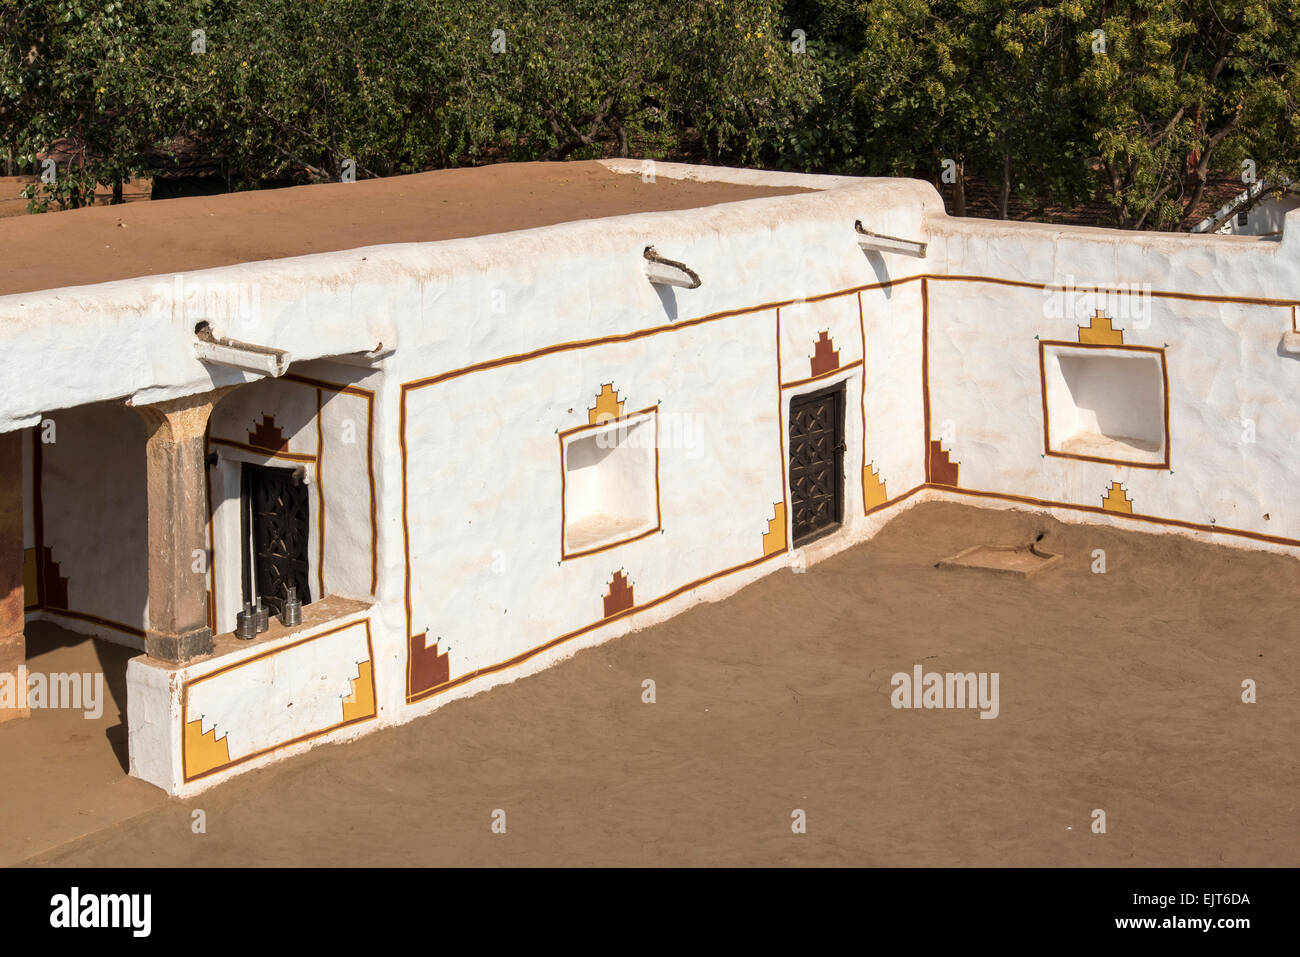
(825, 375)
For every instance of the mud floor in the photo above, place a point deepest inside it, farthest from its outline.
(105, 243)
(1118, 691)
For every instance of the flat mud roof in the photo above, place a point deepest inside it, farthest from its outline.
(105, 243)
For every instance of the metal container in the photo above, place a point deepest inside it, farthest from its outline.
(291, 610)
(246, 623)
(262, 614)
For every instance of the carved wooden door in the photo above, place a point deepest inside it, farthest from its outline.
(816, 462)
(280, 531)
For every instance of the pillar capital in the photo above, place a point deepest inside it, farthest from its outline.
(186, 417)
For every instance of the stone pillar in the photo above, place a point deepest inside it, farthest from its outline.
(13, 646)
(178, 514)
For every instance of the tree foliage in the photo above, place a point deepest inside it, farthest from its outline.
(1185, 85)
(1013, 93)
(1138, 102)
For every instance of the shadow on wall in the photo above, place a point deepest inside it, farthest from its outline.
(668, 299)
(877, 263)
(89, 509)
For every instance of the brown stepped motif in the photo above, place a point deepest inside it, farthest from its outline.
(619, 597)
(943, 471)
(825, 357)
(268, 436)
(429, 669)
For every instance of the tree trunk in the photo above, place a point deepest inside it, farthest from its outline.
(959, 191)
(1005, 199)
(117, 199)
(621, 130)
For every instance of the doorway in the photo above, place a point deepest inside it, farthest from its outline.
(277, 523)
(816, 463)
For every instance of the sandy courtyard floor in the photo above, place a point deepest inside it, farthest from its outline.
(1119, 691)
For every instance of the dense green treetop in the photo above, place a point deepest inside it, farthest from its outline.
(1140, 103)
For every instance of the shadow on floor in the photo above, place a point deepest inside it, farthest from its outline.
(44, 637)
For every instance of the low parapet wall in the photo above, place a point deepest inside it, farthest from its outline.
(981, 371)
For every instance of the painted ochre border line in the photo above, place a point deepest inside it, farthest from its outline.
(369, 396)
(781, 424)
(925, 375)
(1120, 290)
(186, 777)
(1093, 509)
(1047, 434)
(825, 375)
(532, 653)
(862, 404)
(303, 457)
(923, 278)
(92, 619)
(1134, 516)
(783, 303)
(640, 334)
(320, 498)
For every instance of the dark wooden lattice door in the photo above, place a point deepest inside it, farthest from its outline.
(816, 462)
(279, 528)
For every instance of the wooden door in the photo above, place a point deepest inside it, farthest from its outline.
(279, 529)
(816, 463)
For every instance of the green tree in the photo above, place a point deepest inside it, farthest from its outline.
(1185, 87)
(597, 76)
(981, 87)
(75, 70)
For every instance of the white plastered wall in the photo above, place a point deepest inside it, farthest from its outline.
(1232, 414)
(93, 506)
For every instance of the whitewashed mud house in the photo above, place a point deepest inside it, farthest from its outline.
(473, 456)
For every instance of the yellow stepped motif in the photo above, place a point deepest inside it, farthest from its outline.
(873, 488)
(774, 537)
(1100, 332)
(203, 750)
(608, 405)
(361, 703)
(1116, 499)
